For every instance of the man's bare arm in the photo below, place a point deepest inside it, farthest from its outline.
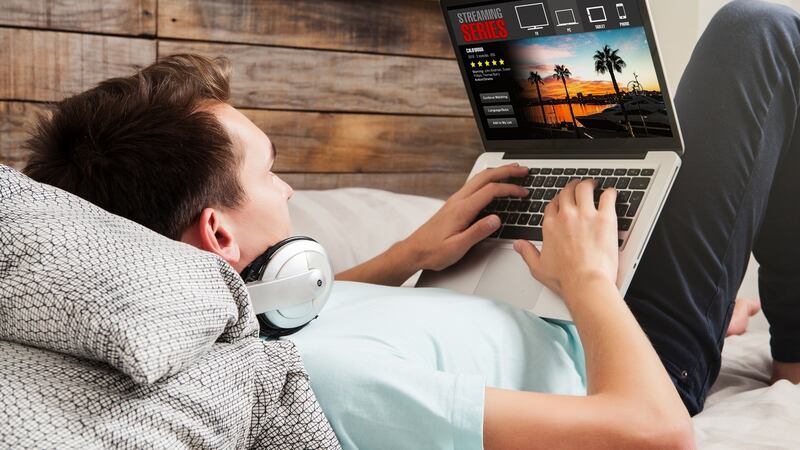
(631, 401)
(447, 236)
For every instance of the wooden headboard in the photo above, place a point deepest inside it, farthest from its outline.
(353, 93)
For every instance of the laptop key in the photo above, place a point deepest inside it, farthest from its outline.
(636, 201)
(624, 224)
(538, 181)
(562, 181)
(582, 172)
(536, 220)
(546, 171)
(634, 172)
(648, 172)
(502, 205)
(623, 183)
(538, 194)
(620, 172)
(610, 182)
(569, 172)
(607, 172)
(534, 171)
(535, 207)
(623, 196)
(513, 218)
(524, 219)
(639, 183)
(558, 171)
(622, 208)
(594, 172)
(550, 194)
(550, 182)
(529, 233)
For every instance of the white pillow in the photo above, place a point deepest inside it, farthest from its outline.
(356, 224)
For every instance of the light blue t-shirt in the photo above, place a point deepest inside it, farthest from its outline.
(407, 368)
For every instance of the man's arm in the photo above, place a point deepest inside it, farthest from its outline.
(447, 236)
(631, 401)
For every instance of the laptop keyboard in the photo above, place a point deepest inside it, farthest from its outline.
(522, 217)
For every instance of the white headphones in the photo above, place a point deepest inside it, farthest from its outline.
(289, 284)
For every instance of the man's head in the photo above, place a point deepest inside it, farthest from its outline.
(164, 148)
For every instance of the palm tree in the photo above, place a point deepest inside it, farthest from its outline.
(607, 60)
(562, 73)
(536, 80)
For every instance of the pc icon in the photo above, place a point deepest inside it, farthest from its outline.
(596, 14)
(565, 17)
(532, 16)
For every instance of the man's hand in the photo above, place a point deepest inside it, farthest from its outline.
(450, 233)
(580, 241)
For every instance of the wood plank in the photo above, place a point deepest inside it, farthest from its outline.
(410, 27)
(48, 66)
(325, 142)
(16, 121)
(131, 17)
(315, 80)
(435, 185)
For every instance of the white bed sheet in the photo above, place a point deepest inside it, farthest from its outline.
(742, 411)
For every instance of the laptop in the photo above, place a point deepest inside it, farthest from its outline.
(586, 101)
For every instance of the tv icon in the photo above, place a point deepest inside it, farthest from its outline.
(596, 14)
(532, 16)
(565, 17)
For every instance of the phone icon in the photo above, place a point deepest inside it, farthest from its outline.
(621, 11)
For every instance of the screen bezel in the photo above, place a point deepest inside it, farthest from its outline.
(574, 146)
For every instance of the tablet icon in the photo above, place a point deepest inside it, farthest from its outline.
(596, 14)
(565, 17)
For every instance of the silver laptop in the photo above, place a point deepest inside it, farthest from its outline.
(585, 101)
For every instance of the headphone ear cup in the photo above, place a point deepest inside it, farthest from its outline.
(289, 258)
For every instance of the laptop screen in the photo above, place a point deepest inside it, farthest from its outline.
(561, 70)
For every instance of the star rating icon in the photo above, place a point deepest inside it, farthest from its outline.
(502, 62)
(472, 64)
(487, 63)
(480, 63)
(494, 62)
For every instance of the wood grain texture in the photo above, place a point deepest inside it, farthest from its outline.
(16, 121)
(131, 17)
(409, 27)
(325, 142)
(299, 79)
(47, 66)
(435, 185)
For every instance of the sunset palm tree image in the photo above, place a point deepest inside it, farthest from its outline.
(562, 73)
(590, 85)
(536, 80)
(607, 60)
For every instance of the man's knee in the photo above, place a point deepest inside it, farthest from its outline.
(751, 19)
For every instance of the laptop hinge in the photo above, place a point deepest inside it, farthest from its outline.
(627, 155)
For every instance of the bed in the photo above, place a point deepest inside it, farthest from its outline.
(742, 412)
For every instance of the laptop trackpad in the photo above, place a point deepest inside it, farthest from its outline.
(507, 278)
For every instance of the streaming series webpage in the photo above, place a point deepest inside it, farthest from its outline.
(561, 69)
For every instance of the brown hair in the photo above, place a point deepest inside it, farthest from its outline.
(142, 147)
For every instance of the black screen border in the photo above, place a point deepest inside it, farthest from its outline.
(574, 146)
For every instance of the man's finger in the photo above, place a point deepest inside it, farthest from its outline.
(489, 175)
(485, 195)
(566, 198)
(607, 200)
(584, 194)
(530, 254)
(479, 231)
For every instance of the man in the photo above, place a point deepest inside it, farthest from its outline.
(165, 149)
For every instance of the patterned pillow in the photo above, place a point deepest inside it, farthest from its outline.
(78, 280)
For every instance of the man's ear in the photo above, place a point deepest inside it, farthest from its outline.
(211, 234)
